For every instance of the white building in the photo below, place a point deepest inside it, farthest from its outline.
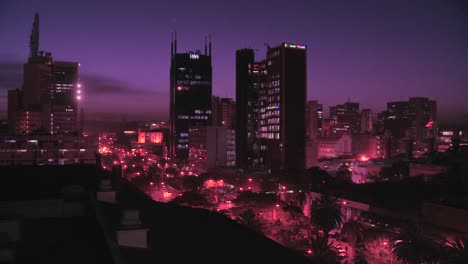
(333, 147)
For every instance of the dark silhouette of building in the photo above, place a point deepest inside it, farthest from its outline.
(246, 105)
(223, 112)
(47, 102)
(280, 84)
(190, 97)
(345, 119)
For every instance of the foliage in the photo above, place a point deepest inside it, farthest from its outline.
(257, 199)
(352, 232)
(326, 213)
(191, 199)
(343, 175)
(322, 251)
(414, 247)
(142, 182)
(250, 219)
(457, 252)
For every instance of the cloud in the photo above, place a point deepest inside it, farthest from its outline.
(11, 77)
(95, 84)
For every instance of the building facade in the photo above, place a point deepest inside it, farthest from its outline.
(190, 97)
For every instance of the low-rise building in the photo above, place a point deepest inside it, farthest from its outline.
(333, 147)
(47, 150)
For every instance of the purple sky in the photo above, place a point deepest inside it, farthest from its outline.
(370, 51)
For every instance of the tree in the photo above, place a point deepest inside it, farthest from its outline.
(142, 182)
(251, 220)
(322, 251)
(343, 175)
(191, 199)
(412, 247)
(457, 252)
(352, 232)
(326, 213)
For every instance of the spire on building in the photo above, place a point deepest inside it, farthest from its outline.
(34, 38)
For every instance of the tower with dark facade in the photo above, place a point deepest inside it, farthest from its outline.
(47, 104)
(190, 97)
(271, 101)
(246, 104)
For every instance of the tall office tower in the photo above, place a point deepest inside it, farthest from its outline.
(47, 102)
(282, 118)
(366, 120)
(345, 119)
(424, 118)
(246, 101)
(190, 97)
(228, 112)
(64, 110)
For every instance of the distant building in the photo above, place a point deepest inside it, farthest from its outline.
(228, 112)
(313, 130)
(223, 112)
(333, 147)
(415, 119)
(47, 150)
(344, 119)
(220, 147)
(366, 145)
(190, 97)
(47, 104)
(366, 121)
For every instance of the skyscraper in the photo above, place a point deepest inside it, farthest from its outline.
(228, 112)
(246, 104)
(345, 119)
(190, 97)
(47, 103)
(282, 116)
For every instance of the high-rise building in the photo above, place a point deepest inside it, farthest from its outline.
(190, 97)
(413, 120)
(345, 119)
(220, 147)
(246, 105)
(366, 120)
(228, 112)
(47, 103)
(282, 117)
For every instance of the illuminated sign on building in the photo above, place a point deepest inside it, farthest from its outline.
(194, 56)
(293, 46)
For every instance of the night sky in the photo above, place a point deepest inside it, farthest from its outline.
(369, 51)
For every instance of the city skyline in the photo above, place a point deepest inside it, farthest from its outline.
(355, 55)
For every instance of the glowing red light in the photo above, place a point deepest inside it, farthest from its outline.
(277, 205)
(430, 124)
(344, 202)
(364, 158)
(250, 179)
(151, 183)
(309, 251)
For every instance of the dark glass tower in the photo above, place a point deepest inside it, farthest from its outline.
(271, 98)
(245, 105)
(190, 97)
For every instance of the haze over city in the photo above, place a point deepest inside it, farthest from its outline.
(371, 52)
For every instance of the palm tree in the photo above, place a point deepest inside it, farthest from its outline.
(352, 232)
(322, 251)
(414, 247)
(326, 213)
(251, 220)
(457, 252)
